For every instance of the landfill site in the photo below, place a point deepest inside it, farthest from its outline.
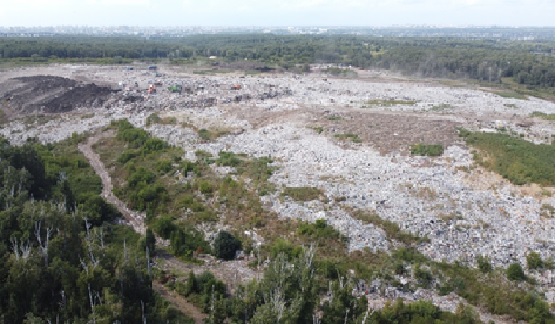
(349, 137)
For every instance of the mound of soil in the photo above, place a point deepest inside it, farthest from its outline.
(51, 94)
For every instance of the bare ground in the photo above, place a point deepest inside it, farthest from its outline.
(51, 94)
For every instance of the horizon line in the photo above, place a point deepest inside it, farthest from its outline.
(290, 26)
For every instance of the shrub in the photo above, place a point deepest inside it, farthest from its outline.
(514, 272)
(228, 159)
(534, 260)
(483, 264)
(205, 134)
(205, 187)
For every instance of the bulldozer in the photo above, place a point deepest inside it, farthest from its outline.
(177, 88)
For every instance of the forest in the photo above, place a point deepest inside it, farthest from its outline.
(494, 61)
(64, 257)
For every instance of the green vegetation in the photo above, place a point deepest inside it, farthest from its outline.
(355, 138)
(440, 107)
(197, 198)
(427, 149)
(512, 88)
(515, 159)
(303, 193)
(318, 129)
(177, 195)
(258, 171)
(493, 291)
(210, 135)
(542, 115)
(334, 117)
(484, 265)
(343, 72)
(422, 312)
(534, 260)
(63, 258)
(514, 272)
(228, 159)
(390, 102)
(547, 211)
(199, 290)
(392, 230)
(525, 66)
(155, 119)
(509, 93)
(319, 232)
(226, 246)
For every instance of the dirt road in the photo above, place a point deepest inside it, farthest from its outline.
(231, 273)
(135, 219)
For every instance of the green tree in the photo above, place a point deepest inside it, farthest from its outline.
(226, 245)
(150, 241)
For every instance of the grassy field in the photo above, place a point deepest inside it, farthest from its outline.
(514, 158)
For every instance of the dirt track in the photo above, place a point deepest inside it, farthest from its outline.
(179, 302)
(135, 219)
(231, 273)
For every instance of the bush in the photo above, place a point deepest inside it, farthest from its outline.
(514, 272)
(228, 159)
(534, 260)
(164, 226)
(205, 187)
(226, 245)
(283, 246)
(483, 264)
(204, 134)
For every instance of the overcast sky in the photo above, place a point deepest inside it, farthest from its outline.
(276, 12)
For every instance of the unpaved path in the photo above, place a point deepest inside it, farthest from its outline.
(231, 273)
(179, 302)
(135, 219)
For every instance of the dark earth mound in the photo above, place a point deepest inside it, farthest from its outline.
(51, 94)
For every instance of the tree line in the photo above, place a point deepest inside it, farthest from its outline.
(489, 60)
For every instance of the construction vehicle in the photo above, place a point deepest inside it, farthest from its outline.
(177, 88)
